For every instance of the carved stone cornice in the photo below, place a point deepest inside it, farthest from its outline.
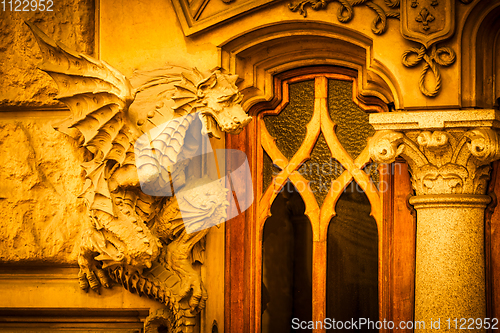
(443, 158)
(198, 16)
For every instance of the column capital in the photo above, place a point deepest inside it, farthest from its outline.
(448, 152)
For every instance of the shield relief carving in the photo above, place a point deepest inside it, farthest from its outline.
(427, 21)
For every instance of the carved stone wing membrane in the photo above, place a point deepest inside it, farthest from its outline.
(98, 96)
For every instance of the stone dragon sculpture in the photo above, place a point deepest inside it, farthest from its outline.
(135, 239)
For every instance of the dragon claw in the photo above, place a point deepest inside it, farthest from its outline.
(193, 289)
(198, 298)
(93, 278)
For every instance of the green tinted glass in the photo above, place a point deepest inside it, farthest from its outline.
(321, 169)
(353, 129)
(289, 127)
(268, 171)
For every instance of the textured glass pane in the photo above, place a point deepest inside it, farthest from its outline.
(289, 127)
(268, 171)
(352, 276)
(353, 128)
(321, 170)
(286, 264)
(372, 171)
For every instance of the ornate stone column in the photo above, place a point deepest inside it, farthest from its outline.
(449, 155)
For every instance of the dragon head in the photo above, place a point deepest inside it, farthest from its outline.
(219, 103)
(215, 97)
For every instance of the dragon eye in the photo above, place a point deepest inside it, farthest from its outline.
(234, 98)
(238, 98)
(226, 98)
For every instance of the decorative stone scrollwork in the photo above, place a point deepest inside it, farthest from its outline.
(452, 162)
(484, 144)
(433, 141)
(436, 22)
(388, 147)
(346, 11)
(443, 56)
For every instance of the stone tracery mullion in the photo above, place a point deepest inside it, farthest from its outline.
(319, 218)
(339, 153)
(289, 169)
(269, 146)
(320, 122)
(303, 153)
(352, 167)
(367, 185)
(312, 209)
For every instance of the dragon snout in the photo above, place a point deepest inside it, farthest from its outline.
(232, 119)
(242, 122)
(237, 124)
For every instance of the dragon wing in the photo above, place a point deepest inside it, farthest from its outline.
(98, 97)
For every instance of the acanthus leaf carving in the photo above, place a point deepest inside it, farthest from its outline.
(484, 144)
(136, 239)
(346, 11)
(453, 162)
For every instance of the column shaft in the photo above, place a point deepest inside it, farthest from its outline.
(450, 272)
(449, 155)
